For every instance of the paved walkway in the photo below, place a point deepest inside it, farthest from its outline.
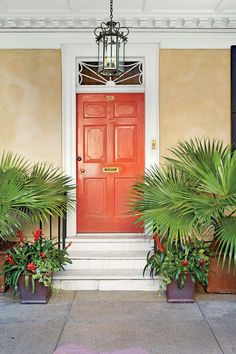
(90, 322)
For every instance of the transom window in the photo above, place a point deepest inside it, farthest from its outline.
(87, 74)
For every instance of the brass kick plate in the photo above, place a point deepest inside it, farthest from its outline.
(110, 169)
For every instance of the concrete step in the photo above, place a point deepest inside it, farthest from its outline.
(109, 242)
(107, 260)
(111, 279)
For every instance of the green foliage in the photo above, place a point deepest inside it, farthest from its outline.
(30, 193)
(177, 260)
(193, 194)
(161, 201)
(37, 260)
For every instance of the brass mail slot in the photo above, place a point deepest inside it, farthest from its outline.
(110, 169)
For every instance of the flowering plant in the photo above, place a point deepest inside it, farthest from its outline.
(175, 261)
(36, 260)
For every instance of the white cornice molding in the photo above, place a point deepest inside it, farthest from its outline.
(38, 23)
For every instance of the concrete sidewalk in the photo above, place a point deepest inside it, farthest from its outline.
(91, 322)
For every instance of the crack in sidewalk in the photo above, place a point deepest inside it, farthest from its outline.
(65, 321)
(208, 323)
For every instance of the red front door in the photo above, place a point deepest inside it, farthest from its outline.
(110, 157)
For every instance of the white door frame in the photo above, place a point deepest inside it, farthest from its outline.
(149, 53)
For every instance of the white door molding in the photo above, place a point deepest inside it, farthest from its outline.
(149, 53)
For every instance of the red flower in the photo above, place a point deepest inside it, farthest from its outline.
(20, 235)
(43, 255)
(37, 234)
(185, 263)
(202, 262)
(31, 267)
(9, 259)
(158, 243)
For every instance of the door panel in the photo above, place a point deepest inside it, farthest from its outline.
(125, 143)
(125, 109)
(95, 189)
(95, 144)
(110, 147)
(122, 185)
(94, 110)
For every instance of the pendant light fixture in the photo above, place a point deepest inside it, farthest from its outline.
(111, 39)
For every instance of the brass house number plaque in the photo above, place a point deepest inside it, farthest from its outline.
(110, 98)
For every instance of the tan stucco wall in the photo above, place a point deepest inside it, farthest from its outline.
(194, 95)
(30, 104)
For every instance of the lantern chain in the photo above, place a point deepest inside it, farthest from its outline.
(111, 10)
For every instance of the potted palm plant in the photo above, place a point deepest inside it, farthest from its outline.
(194, 194)
(212, 167)
(30, 265)
(29, 194)
(179, 266)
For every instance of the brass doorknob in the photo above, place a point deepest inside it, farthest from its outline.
(82, 170)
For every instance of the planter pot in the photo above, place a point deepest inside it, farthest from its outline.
(41, 294)
(219, 280)
(176, 294)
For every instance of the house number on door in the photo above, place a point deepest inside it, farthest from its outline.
(109, 98)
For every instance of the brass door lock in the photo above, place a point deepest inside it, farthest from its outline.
(154, 144)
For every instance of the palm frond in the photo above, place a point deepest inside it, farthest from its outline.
(226, 239)
(31, 193)
(164, 202)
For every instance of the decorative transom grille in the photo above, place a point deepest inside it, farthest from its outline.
(87, 74)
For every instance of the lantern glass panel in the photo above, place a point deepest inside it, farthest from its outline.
(100, 54)
(121, 55)
(110, 53)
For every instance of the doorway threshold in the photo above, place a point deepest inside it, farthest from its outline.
(105, 236)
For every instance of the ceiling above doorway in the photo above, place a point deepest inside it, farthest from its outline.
(139, 7)
(122, 7)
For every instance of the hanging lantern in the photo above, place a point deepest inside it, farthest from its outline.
(111, 39)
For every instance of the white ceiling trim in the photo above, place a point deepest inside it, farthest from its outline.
(38, 23)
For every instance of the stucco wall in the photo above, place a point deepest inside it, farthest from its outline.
(194, 95)
(30, 104)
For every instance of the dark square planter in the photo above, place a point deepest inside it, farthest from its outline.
(41, 294)
(176, 294)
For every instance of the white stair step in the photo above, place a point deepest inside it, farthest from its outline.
(111, 279)
(107, 260)
(107, 255)
(109, 243)
(100, 274)
(107, 263)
